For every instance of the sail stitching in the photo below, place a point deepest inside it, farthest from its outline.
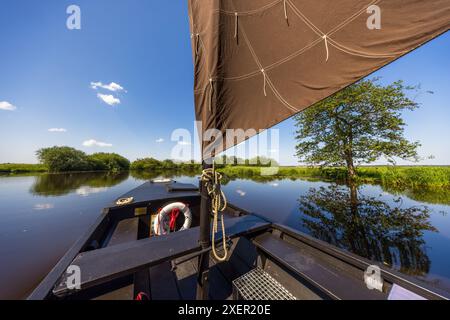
(249, 12)
(266, 76)
(323, 36)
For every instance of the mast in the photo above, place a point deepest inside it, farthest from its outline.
(204, 238)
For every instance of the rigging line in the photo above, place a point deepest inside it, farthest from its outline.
(351, 18)
(266, 78)
(325, 38)
(197, 40)
(299, 14)
(275, 64)
(264, 87)
(250, 12)
(280, 97)
(285, 10)
(295, 54)
(271, 66)
(350, 51)
(211, 94)
(236, 24)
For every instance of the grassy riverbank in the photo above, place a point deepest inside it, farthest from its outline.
(404, 177)
(13, 168)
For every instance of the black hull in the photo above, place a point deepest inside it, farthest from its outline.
(120, 260)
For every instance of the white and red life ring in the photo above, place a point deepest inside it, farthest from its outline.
(165, 221)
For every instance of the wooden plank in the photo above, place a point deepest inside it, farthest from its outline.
(320, 273)
(113, 262)
(125, 231)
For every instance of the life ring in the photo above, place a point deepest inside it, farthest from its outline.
(165, 222)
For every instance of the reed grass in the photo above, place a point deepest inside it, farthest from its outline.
(406, 177)
(22, 168)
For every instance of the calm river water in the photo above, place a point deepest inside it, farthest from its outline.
(42, 216)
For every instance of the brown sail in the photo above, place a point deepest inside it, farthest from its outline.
(258, 62)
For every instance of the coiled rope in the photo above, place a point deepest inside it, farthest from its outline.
(212, 179)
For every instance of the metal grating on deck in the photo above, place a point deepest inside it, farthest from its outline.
(259, 285)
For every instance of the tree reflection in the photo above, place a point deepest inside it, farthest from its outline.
(369, 227)
(62, 184)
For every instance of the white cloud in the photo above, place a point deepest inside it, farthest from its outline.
(43, 206)
(114, 87)
(57, 130)
(5, 105)
(95, 143)
(184, 143)
(108, 99)
(241, 193)
(86, 191)
(160, 140)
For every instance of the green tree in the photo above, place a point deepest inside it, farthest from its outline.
(359, 124)
(146, 164)
(108, 162)
(60, 159)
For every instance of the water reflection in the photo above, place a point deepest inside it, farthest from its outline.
(369, 227)
(428, 195)
(165, 174)
(81, 183)
(422, 194)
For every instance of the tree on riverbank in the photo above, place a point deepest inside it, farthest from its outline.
(359, 124)
(154, 164)
(66, 159)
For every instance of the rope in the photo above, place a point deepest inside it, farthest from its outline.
(325, 38)
(236, 23)
(301, 51)
(250, 12)
(212, 180)
(265, 80)
(312, 26)
(211, 94)
(173, 218)
(197, 37)
(124, 201)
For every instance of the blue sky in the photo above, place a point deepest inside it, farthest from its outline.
(46, 73)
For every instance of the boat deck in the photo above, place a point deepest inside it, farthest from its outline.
(120, 260)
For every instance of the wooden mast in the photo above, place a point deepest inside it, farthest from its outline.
(204, 239)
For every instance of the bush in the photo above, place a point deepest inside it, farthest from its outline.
(153, 164)
(65, 159)
(108, 162)
(60, 159)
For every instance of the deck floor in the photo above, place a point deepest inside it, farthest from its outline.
(179, 282)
